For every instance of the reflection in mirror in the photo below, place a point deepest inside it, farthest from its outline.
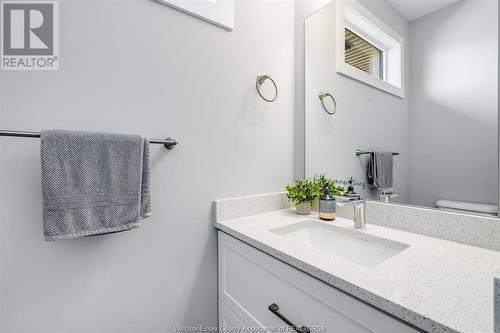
(368, 50)
(416, 97)
(363, 55)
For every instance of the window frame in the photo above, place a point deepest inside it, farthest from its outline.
(351, 15)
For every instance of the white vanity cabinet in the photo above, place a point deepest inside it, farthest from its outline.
(250, 281)
(228, 319)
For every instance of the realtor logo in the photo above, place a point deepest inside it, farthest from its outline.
(29, 35)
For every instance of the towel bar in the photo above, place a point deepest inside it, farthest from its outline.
(169, 143)
(365, 152)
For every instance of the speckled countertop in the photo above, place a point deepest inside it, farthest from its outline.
(434, 284)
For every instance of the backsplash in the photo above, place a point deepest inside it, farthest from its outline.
(496, 310)
(461, 228)
(233, 208)
(466, 229)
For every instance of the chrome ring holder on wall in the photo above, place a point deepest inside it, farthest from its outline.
(322, 96)
(260, 80)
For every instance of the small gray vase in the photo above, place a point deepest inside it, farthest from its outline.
(304, 208)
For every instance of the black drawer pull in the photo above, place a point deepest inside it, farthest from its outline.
(275, 309)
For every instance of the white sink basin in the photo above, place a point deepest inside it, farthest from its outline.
(348, 244)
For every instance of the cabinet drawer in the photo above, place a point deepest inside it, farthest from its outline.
(250, 281)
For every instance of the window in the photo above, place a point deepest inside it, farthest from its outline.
(367, 49)
(363, 55)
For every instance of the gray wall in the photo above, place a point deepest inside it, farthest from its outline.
(454, 104)
(366, 118)
(137, 66)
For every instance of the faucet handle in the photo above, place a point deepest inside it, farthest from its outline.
(345, 201)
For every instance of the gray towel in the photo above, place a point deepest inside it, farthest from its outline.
(379, 170)
(93, 183)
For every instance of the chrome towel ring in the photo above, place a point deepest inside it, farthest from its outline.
(260, 80)
(322, 96)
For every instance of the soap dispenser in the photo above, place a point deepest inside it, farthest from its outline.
(327, 205)
(351, 193)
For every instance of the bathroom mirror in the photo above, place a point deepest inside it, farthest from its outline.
(417, 79)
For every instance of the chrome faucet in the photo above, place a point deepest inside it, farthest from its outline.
(387, 195)
(359, 211)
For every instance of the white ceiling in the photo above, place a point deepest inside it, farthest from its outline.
(414, 9)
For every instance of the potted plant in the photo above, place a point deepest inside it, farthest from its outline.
(303, 193)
